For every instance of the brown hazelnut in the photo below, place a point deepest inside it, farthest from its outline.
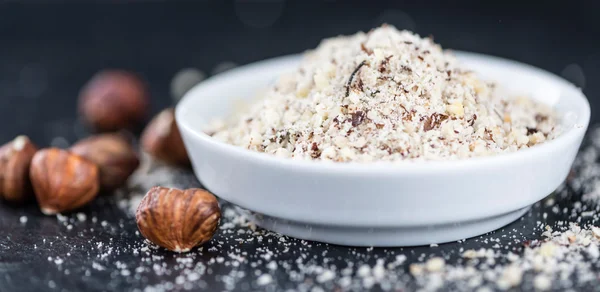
(62, 181)
(15, 159)
(113, 100)
(162, 139)
(178, 220)
(114, 155)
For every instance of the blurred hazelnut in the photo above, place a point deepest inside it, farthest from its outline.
(62, 181)
(113, 154)
(15, 159)
(178, 220)
(162, 139)
(114, 100)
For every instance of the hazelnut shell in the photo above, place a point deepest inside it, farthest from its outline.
(162, 139)
(114, 155)
(15, 160)
(62, 181)
(178, 220)
(113, 100)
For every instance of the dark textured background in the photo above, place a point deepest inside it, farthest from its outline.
(49, 49)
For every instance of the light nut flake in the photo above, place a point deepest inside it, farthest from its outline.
(385, 95)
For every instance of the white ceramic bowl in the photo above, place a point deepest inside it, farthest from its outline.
(382, 204)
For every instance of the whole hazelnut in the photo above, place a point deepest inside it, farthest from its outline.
(162, 139)
(113, 100)
(62, 181)
(178, 220)
(114, 155)
(15, 159)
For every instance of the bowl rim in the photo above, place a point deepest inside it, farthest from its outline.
(568, 137)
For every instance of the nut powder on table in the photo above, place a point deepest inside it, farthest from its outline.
(385, 95)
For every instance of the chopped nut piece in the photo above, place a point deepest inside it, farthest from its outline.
(456, 109)
(416, 269)
(357, 118)
(542, 283)
(511, 277)
(596, 231)
(385, 92)
(547, 249)
(435, 264)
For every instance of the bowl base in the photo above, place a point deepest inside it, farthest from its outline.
(385, 236)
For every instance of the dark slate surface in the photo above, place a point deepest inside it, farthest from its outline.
(47, 51)
(46, 254)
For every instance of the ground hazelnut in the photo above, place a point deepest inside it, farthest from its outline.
(62, 181)
(178, 220)
(162, 139)
(113, 100)
(15, 159)
(113, 154)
